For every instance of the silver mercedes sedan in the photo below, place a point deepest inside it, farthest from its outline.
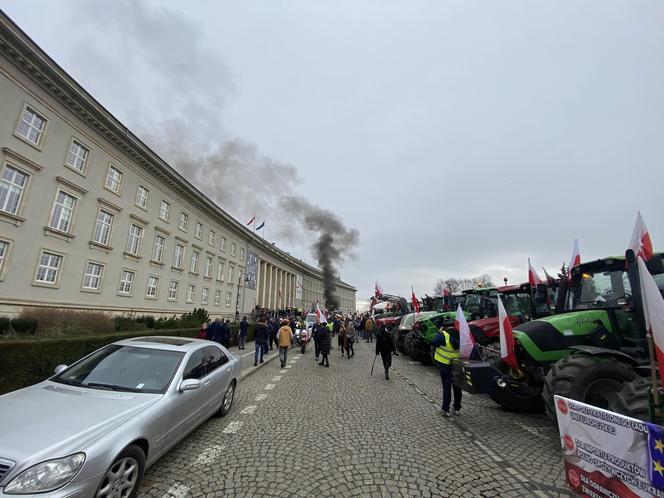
(92, 429)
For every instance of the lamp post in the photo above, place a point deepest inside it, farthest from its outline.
(505, 280)
(237, 298)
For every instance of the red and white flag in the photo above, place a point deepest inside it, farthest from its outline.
(576, 257)
(548, 277)
(378, 290)
(641, 243)
(445, 292)
(414, 301)
(506, 337)
(533, 277)
(320, 315)
(466, 340)
(653, 307)
(251, 220)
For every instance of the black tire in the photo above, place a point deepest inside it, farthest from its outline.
(633, 399)
(130, 454)
(302, 349)
(408, 343)
(226, 407)
(591, 379)
(401, 335)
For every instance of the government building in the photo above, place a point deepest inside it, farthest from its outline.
(92, 219)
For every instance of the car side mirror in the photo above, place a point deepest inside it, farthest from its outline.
(60, 368)
(189, 385)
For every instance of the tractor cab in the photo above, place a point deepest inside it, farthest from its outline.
(527, 302)
(480, 303)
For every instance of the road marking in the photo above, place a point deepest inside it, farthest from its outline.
(261, 397)
(283, 371)
(276, 378)
(247, 354)
(177, 490)
(249, 410)
(292, 362)
(233, 427)
(209, 455)
(289, 366)
(269, 387)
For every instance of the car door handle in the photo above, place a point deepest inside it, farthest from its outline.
(207, 382)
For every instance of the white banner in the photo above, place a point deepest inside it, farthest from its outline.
(610, 455)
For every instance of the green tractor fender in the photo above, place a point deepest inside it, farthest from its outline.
(613, 353)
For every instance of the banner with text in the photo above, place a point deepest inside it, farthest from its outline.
(298, 287)
(609, 455)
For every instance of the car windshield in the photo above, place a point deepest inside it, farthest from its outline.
(124, 368)
(517, 304)
(602, 290)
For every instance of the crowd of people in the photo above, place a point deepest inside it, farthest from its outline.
(276, 329)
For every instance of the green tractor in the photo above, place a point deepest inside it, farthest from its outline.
(595, 351)
(417, 343)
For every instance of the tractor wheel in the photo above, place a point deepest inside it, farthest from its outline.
(633, 400)
(401, 336)
(408, 343)
(590, 379)
(518, 404)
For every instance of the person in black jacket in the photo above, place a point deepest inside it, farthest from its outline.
(316, 336)
(325, 344)
(260, 336)
(385, 347)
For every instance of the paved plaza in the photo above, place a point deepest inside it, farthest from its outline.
(306, 430)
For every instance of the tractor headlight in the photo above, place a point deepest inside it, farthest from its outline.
(46, 476)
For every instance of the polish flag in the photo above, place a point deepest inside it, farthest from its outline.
(576, 257)
(445, 292)
(653, 307)
(466, 340)
(506, 337)
(416, 303)
(533, 277)
(641, 243)
(378, 290)
(251, 220)
(548, 277)
(320, 315)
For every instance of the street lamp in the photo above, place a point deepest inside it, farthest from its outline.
(237, 298)
(505, 280)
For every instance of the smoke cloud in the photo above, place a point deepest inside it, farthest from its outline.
(177, 107)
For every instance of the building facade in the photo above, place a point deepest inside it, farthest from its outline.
(91, 218)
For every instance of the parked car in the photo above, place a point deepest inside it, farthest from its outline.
(94, 427)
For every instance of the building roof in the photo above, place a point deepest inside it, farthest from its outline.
(37, 64)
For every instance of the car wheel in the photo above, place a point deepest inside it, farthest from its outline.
(124, 475)
(227, 402)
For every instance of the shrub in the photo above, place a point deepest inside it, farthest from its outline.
(148, 320)
(25, 325)
(125, 323)
(59, 321)
(5, 323)
(195, 318)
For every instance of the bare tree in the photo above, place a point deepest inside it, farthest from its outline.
(454, 285)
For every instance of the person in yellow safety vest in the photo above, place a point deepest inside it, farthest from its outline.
(446, 344)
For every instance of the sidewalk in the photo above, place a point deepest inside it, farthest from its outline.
(247, 358)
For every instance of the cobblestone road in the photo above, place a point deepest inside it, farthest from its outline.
(307, 430)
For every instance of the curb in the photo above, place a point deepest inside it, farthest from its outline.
(249, 371)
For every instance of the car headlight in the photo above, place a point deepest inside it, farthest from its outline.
(46, 476)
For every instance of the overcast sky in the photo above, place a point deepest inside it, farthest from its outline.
(458, 137)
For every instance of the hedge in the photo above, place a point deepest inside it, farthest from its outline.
(28, 361)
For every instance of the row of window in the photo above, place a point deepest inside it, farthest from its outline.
(50, 266)
(31, 127)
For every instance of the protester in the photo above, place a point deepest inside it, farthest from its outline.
(342, 338)
(385, 347)
(316, 330)
(369, 327)
(446, 344)
(242, 338)
(273, 332)
(260, 338)
(225, 333)
(213, 331)
(202, 332)
(284, 338)
(325, 339)
(350, 338)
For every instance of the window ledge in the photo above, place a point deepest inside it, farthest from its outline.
(77, 171)
(119, 194)
(99, 246)
(123, 294)
(177, 269)
(71, 185)
(45, 284)
(152, 298)
(130, 255)
(58, 234)
(193, 274)
(139, 219)
(154, 262)
(36, 146)
(109, 204)
(207, 278)
(91, 291)
(11, 218)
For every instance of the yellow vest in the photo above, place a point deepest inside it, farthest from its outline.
(446, 354)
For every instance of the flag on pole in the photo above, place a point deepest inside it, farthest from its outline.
(445, 292)
(653, 308)
(466, 339)
(548, 277)
(251, 220)
(260, 226)
(641, 243)
(506, 337)
(416, 303)
(378, 290)
(576, 257)
(320, 315)
(533, 277)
